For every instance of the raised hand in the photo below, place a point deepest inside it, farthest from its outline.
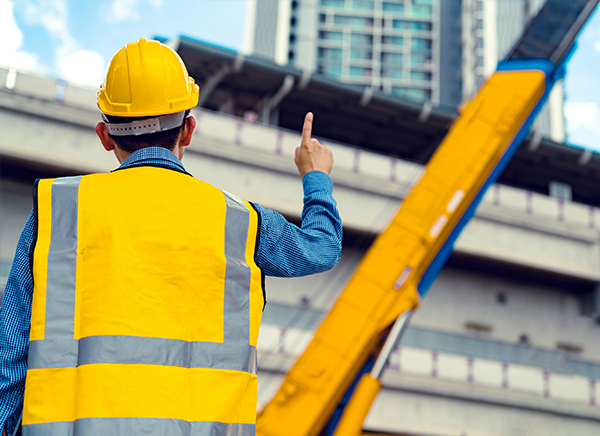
(311, 155)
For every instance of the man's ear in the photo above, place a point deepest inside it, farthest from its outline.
(188, 131)
(106, 140)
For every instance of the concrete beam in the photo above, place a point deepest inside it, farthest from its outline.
(213, 81)
(273, 102)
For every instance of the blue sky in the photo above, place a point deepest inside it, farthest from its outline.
(74, 39)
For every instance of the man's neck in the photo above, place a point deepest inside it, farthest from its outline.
(122, 155)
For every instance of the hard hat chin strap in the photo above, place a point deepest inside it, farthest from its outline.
(145, 127)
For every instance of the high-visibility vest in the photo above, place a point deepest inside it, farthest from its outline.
(146, 308)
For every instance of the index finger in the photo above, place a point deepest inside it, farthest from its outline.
(307, 128)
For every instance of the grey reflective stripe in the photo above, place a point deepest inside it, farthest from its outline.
(137, 426)
(141, 350)
(237, 272)
(62, 258)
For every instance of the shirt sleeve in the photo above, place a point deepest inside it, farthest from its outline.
(286, 250)
(15, 322)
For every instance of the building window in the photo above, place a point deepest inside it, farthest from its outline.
(422, 76)
(363, 5)
(392, 73)
(334, 54)
(412, 25)
(393, 40)
(422, 11)
(333, 71)
(339, 4)
(291, 55)
(331, 36)
(322, 18)
(360, 72)
(359, 22)
(420, 59)
(359, 39)
(399, 91)
(415, 94)
(391, 58)
(393, 7)
(418, 94)
(360, 54)
(421, 44)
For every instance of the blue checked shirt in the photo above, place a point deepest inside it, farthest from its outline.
(284, 250)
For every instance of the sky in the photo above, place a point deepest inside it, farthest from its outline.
(73, 40)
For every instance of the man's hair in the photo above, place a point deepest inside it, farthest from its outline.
(165, 139)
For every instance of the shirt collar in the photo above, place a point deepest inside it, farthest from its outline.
(152, 155)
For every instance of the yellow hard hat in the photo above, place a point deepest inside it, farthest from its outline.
(146, 78)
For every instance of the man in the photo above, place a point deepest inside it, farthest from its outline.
(135, 297)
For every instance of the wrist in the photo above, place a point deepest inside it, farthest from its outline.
(316, 180)
(311, 169)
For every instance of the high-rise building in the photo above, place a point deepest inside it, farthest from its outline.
(389, 45)
(423, 50)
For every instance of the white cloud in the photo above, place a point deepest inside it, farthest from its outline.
(84, 67)
(127, 10)
(52, 15)
(597, 41)
(583, 124)
(73, 63)
(11, 41)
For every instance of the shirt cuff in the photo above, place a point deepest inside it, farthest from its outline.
(317, 181)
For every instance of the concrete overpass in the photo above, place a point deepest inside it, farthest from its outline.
(507, 340)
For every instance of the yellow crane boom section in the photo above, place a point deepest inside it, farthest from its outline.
(385, 282)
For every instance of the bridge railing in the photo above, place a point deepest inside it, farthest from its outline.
(278, 347)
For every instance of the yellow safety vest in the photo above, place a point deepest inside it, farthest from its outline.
(146, 308)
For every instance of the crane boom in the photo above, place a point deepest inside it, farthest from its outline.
(404, 260)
